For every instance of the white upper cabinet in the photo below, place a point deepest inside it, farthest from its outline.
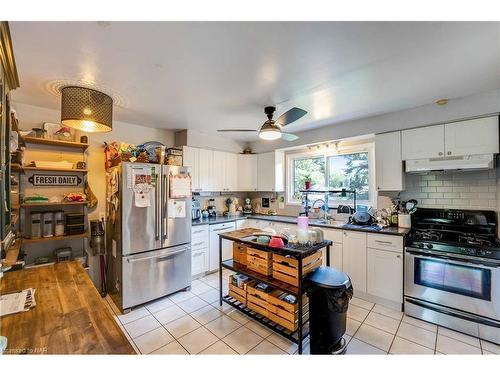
(472, 137)
(388, 162)
(469, 137)
(230, 164)
(423, 143)
(206, 166)
(271, 171)
(218, 170)
(247, 172)
(191, 159)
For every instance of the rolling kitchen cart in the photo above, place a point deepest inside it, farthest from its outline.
(298, 257)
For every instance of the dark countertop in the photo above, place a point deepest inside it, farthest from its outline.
(395, 231)
(293, 220)
(218, 220)
(299, 251)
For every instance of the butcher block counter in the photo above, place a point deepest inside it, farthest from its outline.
(69, 317)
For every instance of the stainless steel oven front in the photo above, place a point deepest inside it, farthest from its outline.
(456, 291)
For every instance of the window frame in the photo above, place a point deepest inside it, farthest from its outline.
(325, 153)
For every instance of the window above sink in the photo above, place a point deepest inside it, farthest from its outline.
(350, 167)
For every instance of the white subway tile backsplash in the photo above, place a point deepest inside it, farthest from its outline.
(461, 190)
(428, 189)
(434, 183)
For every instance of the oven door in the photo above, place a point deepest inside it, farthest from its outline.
(466, 284)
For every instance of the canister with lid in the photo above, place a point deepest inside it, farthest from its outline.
(59, 223)
(36, 224)
(48, 224)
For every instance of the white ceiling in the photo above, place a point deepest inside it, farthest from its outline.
(215, 75)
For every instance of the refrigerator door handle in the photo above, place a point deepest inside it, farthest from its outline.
(157, 209)
(160, 257)
(165, 208)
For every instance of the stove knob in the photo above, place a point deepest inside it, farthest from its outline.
(429, 246)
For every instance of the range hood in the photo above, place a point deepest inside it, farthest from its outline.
(466, 162)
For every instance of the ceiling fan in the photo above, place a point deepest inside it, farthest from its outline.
(271, 129)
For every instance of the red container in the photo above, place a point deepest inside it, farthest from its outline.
(276, 242)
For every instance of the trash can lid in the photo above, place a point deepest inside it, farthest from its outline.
(331, 278)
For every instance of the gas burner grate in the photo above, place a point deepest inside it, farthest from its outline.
(474, 239)
(427, 234)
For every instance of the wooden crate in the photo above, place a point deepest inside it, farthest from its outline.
(239, 253)
(257, 300)
(287, 269)
(284, 313)
(239, 294)
(259, 261)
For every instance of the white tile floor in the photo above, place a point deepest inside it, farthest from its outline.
(193, 323)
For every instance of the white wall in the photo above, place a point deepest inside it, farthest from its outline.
(470, 106)
(195, 138)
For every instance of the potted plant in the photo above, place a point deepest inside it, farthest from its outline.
(307, 182)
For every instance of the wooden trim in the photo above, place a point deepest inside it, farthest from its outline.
(7, 56)
(55, 142)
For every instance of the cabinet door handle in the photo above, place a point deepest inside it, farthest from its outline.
(384, 242)
(398, 256)
(449, 152)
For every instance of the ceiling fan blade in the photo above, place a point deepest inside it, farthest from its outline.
(236, 130)
(290, 116)
(289, 137)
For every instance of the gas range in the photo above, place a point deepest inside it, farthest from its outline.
(452, 271)
(461, 232)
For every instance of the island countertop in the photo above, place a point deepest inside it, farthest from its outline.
(69, 317)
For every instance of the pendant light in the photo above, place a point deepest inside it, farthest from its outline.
(86, 109)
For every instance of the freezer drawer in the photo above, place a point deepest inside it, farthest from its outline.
(154, 274)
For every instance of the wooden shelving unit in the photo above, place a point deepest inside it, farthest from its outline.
(35, 247)
(55, 142)
(50, 204)
(28, 168)
(54, 238)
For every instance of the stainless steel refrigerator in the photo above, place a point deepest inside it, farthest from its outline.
(148, 232)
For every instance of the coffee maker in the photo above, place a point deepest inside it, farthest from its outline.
(211, 208)
(247, 207)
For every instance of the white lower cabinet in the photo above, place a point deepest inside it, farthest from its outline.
(199, 249)
(354, 259)
(336, 249)
(385, 274)
(241, 223)
(199, 261)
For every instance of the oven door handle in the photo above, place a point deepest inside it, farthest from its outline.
(452, 258)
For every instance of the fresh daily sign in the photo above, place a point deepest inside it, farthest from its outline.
(55, 180)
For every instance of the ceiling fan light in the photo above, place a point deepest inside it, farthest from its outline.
(86, 109)
(269, 134)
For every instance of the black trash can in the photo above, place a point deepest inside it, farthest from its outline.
(329, 292)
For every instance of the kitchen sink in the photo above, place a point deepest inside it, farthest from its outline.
(327, 222)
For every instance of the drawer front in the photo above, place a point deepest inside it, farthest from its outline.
(385, 242)
(334, 235)
(199, 261)
(199, 243)
(199, 231)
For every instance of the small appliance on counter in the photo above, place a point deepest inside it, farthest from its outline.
(211, 208)
(195, 209)
(247, 207)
